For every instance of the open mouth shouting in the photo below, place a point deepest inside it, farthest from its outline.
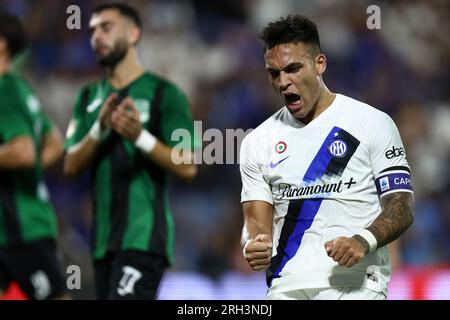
(293, 101)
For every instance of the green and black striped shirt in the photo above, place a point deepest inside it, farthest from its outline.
(25, 212)
(131, 201)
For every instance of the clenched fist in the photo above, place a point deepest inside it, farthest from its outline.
(258, 252)
(345, 251)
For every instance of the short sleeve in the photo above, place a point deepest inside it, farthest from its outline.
(388, 158)
(177, 126)
(254, 187)
(15, 121)
(76, 130)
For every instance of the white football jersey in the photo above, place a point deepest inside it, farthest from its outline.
(324, 180)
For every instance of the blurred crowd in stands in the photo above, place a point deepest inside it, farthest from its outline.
(211, 50)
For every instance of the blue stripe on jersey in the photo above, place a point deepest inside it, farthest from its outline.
(294, 228)
(301, 212)
(322, 159)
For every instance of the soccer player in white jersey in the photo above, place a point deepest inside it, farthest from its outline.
(326, 183)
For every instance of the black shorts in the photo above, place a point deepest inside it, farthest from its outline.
(35, 268)
(129, 275)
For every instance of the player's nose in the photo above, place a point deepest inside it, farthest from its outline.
(284, 81)
(97, 39)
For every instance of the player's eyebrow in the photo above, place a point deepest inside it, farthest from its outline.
(102, 24)
(290, 67)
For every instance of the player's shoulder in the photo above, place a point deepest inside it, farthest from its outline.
(90, 87)
(263, 131)
(362, 111)
(11, 81)
(149, 76)
(153, 79)
(12, 88)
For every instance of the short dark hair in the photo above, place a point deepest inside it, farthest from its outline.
(12, 30)
(124, 9)
(292, 29)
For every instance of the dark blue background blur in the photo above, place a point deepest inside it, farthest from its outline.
(211, 50)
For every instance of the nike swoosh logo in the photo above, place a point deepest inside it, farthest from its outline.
(273, 165)
(94, 105)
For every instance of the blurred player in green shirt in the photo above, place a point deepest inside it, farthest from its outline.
(121, 129)
(29, 143)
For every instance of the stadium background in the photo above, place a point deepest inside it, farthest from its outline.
(210, 49)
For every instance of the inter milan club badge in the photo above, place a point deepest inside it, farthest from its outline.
(280, 147)
(337, 148)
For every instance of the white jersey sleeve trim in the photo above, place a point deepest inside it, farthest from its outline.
(257, 194)
(395, 191)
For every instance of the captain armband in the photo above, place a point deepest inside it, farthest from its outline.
(395, 179)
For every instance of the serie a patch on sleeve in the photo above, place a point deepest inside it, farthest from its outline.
(392, 180)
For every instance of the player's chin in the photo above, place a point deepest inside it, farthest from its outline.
(299, 112)
(103, 58)
(299, 115)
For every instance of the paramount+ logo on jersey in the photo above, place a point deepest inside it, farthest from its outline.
(288, 191)
(395, 152)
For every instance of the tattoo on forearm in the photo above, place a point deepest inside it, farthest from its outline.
(396, 217)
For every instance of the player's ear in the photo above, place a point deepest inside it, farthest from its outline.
(134, 35)
(321, 63)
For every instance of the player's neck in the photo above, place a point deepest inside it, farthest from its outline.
(126, 71)
(326, 98)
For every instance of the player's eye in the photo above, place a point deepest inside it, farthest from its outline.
(293, 69)
(273, 73)
(106, 27)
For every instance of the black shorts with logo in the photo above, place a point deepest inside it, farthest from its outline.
(35, 268)
(129, 275)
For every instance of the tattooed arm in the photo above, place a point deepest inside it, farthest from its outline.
(396, 217)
